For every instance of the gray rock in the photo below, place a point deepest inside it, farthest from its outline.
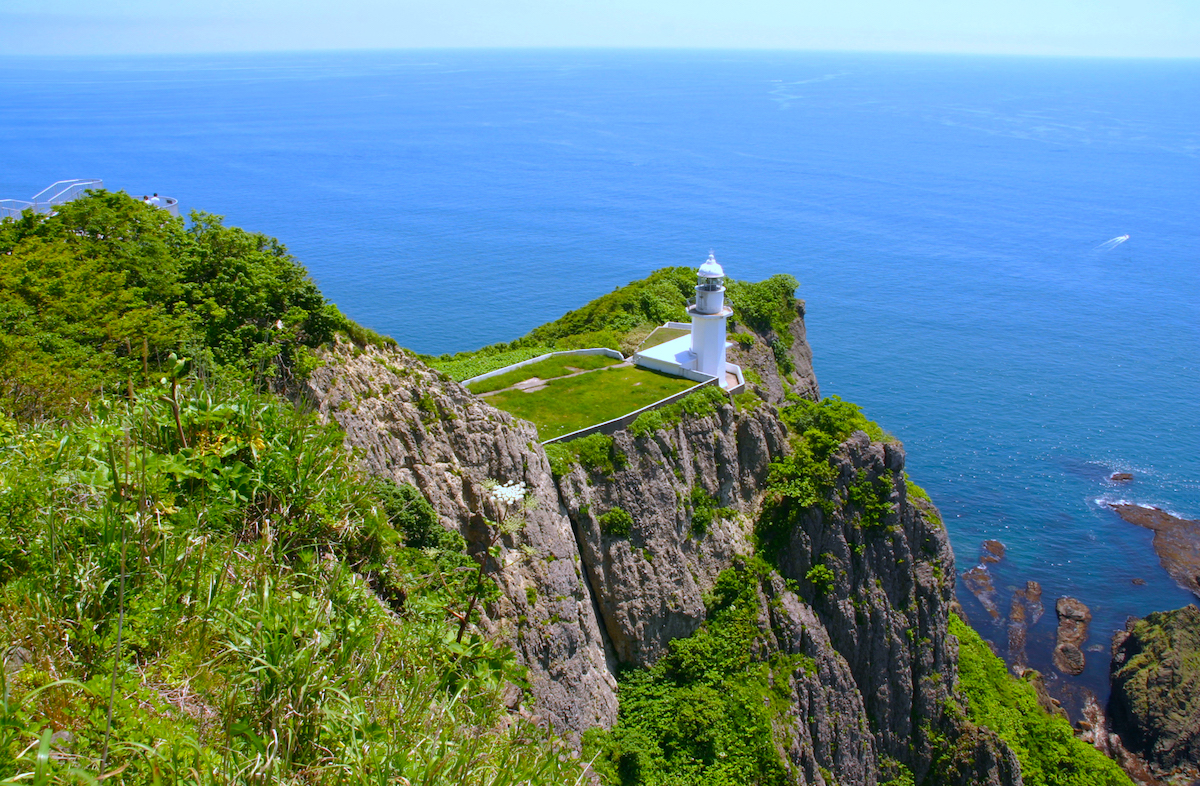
(1025, 611)
(649, 585)
(416, 426)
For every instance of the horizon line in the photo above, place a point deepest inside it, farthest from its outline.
(666, 48)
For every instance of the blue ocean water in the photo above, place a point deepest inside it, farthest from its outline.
(946, 217)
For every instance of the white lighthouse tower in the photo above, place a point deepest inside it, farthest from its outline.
(709, 315)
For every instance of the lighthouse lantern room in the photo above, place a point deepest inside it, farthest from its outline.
(709, 315)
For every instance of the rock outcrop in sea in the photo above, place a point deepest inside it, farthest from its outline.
(1176, 540)
(578, 603)
(1073, 620)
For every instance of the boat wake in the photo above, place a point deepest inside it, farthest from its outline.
(1109, 245)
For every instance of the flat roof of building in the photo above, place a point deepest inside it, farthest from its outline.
(677, 351)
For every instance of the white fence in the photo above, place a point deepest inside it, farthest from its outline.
(48, 198)
(611, 353)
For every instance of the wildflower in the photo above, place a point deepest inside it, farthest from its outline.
(508, 493)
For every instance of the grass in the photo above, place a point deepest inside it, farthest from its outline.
(661, 336)
(466, 365)
(211, 593)
(567, 405)
(550, 368)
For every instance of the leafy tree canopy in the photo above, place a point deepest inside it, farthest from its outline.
(97, 295)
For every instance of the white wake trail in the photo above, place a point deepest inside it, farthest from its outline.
(1109, 245)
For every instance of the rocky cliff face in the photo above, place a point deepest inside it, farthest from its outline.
(887, 608)
(649, 584)
(577, 601)
(774, 377)
(417, 426)
(1155, 702)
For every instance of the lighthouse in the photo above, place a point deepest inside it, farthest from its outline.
(709, 315)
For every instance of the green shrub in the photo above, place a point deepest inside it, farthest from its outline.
(616, 523)
(705, 509)
(747, 402)
(768, 305)
(99, 293)
(832, 417)
(1045, 744)
(705, 712)
(872, 498)
(658, 298)
(411, 515)
(915, 491)
(702, 403)
(597, 453)
(821, 577)
(561, 457)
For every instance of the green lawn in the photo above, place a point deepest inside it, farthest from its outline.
(661, 336)
(558, 366)
(566, 405)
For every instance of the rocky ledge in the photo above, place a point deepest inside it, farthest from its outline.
(1155, 701)
(1176, 541)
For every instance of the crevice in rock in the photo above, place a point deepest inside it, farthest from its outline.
(589, 579)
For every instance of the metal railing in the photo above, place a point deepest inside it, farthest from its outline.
(12, 208)
(65, 191)
(45, 200)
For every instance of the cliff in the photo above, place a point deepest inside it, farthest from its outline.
(757, 582)
(1154, 705)
(578, 603)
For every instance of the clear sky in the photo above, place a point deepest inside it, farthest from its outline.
(1138, 28)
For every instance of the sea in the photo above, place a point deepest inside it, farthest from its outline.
(1000, 256)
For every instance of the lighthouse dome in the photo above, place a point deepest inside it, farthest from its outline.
(711, 268)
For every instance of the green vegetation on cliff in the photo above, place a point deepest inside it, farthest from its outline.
(623, 318)
(702, 715)
(197, 585)
(1045, 744)
(190, 590)
(1155, 704)
(805, 478)
(98, 294)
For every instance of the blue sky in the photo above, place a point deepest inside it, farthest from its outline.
(1121, 28)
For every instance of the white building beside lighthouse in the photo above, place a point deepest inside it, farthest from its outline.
(700, 354)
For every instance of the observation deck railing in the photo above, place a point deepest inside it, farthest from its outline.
(48, 198)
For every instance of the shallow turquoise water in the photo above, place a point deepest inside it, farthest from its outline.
(945, 216)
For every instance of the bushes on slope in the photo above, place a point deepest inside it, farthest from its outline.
(1046, 746)
(622, 318)
(200, 578)
(703, 714)
(99, 293)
